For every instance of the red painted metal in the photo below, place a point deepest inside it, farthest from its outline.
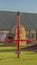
(18, 33)
(10, 40)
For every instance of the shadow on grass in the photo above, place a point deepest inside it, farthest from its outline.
(32, 48)
(1, 59)
(8, 50)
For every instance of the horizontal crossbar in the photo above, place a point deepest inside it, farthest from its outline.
(7, 40)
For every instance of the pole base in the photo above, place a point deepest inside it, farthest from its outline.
(18, 52)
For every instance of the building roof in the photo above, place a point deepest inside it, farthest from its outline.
(9, 19)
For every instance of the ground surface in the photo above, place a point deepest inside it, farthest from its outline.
(8, 57)
(31, 48)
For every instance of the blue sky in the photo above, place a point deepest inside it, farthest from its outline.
(19, 5)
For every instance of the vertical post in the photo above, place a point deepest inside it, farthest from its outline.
(18, 32)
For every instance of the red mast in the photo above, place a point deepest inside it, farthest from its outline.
(18, 32)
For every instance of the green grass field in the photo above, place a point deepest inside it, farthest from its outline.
(8, 57)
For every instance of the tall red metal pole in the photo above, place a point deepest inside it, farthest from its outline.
(18, 35)
(18, 32)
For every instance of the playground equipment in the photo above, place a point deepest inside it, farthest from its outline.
(18, 36)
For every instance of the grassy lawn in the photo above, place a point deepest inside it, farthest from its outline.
(8, 57)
